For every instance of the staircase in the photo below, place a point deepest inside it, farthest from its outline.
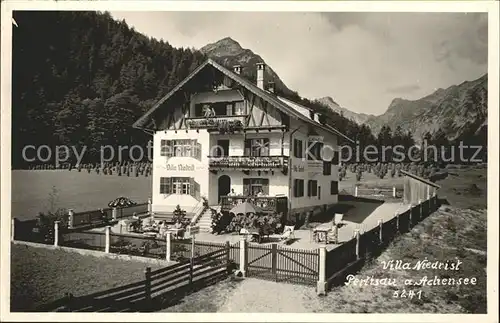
(205, 221)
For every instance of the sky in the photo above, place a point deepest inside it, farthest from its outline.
(362, 60)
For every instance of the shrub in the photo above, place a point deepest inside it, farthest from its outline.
(220, 221)
(180, 217)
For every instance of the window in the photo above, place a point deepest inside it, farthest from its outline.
(334, 188)
(327, 167)
(298, 187)
(314, 150)
(252, 186)
(312, 188)
(257, 147)
(298, 149)
(179, 185)
(181, 148)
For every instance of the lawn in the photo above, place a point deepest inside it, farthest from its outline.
(77, 190)
(39, 276)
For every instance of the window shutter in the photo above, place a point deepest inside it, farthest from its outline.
(248, 146)
(265, 186)
(170, 148)
(246, 186)
(197, 190)
(191, 187)
(335, 160)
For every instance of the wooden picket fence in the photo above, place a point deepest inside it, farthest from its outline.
(367, 245)
(159, 289)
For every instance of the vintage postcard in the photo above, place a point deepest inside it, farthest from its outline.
(249, 161)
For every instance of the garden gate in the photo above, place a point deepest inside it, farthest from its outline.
(283, 264)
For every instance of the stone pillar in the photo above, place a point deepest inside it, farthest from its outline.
(168, 255)
(56, 233)
(243, 257)
(322, 284)
(71, 218)
(394, 191)
(108, 230)
(150, 205)
(356, 191)
(114, 214)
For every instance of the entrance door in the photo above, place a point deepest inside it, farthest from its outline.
(222, 148)
(224, 186)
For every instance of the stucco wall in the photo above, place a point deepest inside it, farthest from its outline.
(163, 203)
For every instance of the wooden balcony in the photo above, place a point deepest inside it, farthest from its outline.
(248, 163)
(268, 204)
(221, 124)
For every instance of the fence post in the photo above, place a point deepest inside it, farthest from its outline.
(71, 218)
(243, 256)
(56, 233)
(108, 229)
(394, 191)
(147, 285)
(380, 234)
(228, 258)
(114, 213)
(356, 191)
(168, 253)
(274, 260)
(357, 235)
(420, 210)
(12, 229)
(150, 206)
(410, 217)
(397, 220)
(322, 285)
(69, 301)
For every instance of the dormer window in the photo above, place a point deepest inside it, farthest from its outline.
(311, 114)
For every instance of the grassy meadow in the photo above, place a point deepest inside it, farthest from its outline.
(81, 191)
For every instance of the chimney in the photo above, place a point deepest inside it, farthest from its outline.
(270, 87)
(260, 75)
(237, 69)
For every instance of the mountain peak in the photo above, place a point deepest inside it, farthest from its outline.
(223, 47)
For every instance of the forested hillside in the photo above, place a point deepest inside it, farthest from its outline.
(81, 78)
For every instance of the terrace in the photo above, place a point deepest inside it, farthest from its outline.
(263, 163)
(223, 124)
(268, 204)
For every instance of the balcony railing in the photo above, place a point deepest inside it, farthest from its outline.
(226, 124)
(248, 162)
(268, 204)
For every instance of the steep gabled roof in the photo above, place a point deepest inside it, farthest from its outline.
(269, 97)
(420, 179)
